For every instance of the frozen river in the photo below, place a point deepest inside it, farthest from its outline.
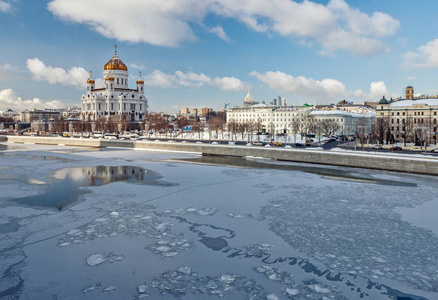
(79, 223)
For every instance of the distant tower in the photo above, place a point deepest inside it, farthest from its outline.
(409, 92)
(248, 100)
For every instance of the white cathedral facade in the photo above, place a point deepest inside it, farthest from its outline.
(115, 98)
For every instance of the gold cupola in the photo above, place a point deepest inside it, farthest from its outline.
(109, 77)
(140, 80)
(90, 79)
(115, 63)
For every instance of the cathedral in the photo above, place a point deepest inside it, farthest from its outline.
(115, 98)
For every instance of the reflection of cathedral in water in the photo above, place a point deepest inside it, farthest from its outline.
(102, 174)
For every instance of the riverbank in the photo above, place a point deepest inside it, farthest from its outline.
(415, 163)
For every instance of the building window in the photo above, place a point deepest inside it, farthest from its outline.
(117, 80)
(132, 106)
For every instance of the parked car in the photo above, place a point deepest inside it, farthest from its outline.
(299, 145)
(396, 148)
(278, 144)
(416, 149)
(378, 146)
(434, 150)
(258, 144)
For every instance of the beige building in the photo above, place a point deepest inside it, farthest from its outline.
(404, 117)
(40, 115)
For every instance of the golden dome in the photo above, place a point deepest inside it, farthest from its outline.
(140, 80)
(90, 79)
(115, 63)
(109, 78)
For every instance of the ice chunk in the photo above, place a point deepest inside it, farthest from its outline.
(319, 289)
(93, 287)
(271, 297)
(142, 288)
(292, 292)
(95, 259)
(63, 244)
(163, 249)
(109, 289)
(227, 278)
(185, 270)
(114, 214)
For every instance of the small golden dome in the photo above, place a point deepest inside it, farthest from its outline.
(90, 79)
(109, 78)
(140, 80)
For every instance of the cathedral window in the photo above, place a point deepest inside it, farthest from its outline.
(132, 106)
(124, 105)
(117, 80)
(140, 106)
(133, 96)
(100, 106)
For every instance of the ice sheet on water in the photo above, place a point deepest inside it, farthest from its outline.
(368, 238)
(97, 259)
(207, 211)
(180, 283)
(132, 220)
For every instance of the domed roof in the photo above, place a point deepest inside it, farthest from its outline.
(140, 80)
(383, 101)
(90, 79)
(115, 63)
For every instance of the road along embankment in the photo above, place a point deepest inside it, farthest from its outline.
(417, 163)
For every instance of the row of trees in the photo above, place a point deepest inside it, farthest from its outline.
(409, 131)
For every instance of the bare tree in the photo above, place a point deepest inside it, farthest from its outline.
(423, 135)
(380, 128)
(215, 124)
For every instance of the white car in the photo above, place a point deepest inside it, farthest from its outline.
(231, 143)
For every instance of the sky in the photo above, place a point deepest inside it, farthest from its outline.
(205, 53)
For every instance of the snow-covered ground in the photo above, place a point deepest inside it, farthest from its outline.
(78, 223)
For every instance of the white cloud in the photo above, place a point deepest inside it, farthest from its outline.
(335, 26)
(425, 57)
(134, 66)
(160, 79)
(326, 90)
(4, 6)
(8, 99)
(74, 76)
(219, 31)
(9, 72)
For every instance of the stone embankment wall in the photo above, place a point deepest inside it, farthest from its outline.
(399, 163)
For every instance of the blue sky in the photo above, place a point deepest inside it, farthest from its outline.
(204, 53)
